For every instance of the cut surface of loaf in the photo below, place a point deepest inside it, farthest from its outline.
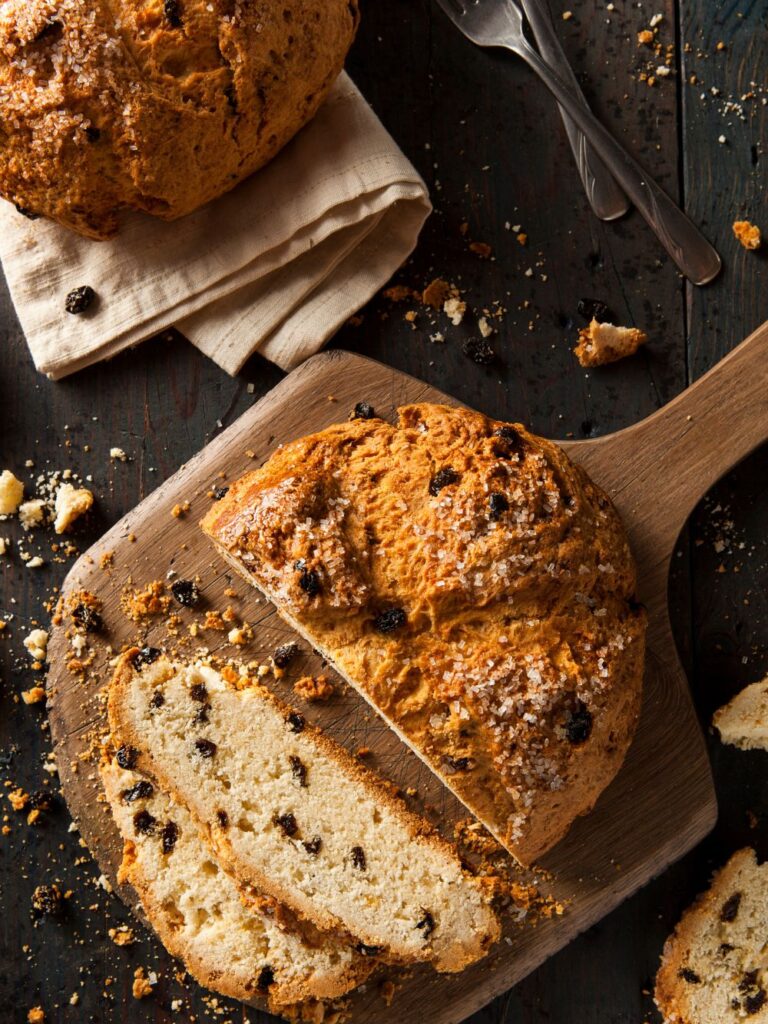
(200, 916)
(157, 106)
(714, 968)
(743, 722)
(474, 586)
(292, 813)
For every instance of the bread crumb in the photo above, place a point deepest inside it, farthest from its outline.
(36, 643)
(35, 563)
(36, 1015)
(645, 38)
(32, 513)
(122, 936)
(481, 249)
(18, 799)
(213, 620)
(455, 309)
(240, 635)
(71, 503)
(106, 560)
(34, 696)
(140, 604)
(11, 494)
(436, 293)
(118, 454)
(748, 234)
(602, 343)
(180, 510)
(485, 328)
(141, 985)
(314, 688)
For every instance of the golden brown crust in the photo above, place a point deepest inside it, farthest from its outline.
(158, 105)
(474, 586)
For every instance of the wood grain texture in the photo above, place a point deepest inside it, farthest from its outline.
(665, 779)
(497, 154)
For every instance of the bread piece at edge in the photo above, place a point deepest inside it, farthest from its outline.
(185, 877)
(743, 721)
(451, 927)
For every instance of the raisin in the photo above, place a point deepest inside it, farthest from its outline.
(309, 581)
(725, 948)
(298, 770)
(127, 756)
(172, 13)
(442, 478)
(508, 443)
(141, 791)
(579, 725)
(201, 715)
(287, 823)
(205, 748)
(223, 819)
(46, 900)
(144, 823)
(92, 133)
(688, 975)
(367, 950)
(86, 618)
(199, 693)
(219, 493)
(79, 299)
(170, 835)
(459, 764)
(157, 700)
(363, 411)
(390, 620)
(755, 1002)
(748, 981)
(730, 908)
(497, 506)
(312, 846)
(25, 212)
(594, 309)
(296, 722)
(358, 858)
(479, 351)
(427, 923)
(186, 592)
(266, 977)
(285, 654)
(146, 656)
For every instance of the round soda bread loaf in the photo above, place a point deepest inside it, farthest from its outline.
(292, 813)
(241, 951)
(713, 970)
(155, 105)
(474, 586)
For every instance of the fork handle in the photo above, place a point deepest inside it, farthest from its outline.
(605, 197)
(687, 246)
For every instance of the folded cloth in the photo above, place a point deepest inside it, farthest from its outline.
(275, 266)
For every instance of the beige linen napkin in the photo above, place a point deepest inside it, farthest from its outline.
(275, 266)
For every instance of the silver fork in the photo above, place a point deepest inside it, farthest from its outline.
(605, 197)
(500, 23)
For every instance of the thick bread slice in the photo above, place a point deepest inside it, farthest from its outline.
(744, 721)
(474, 587)
(714, 969)
(242, 951)
(292, 813)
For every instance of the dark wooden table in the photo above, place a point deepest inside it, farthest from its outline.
(490, 144)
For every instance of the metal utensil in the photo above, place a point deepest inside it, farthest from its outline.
(500, 23)
(605, 197)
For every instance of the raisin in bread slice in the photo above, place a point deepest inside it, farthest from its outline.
(242, 951)
(474, 587)
(744, 721)
(714, 969)
(294, 814)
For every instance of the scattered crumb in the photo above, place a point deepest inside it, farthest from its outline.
(34, 696)
(645, 38)
(122, 936)
(32, 513)
(36, 1015)
(748, 234)
(602, 343)
(35, 563)
(455, 309)
(36, 643)
(481, 249)
(436, 293)
(118, 454)
(11, 495)
(71, 503)
(240, 635)
(179, 511)
(141, 984)
(140, 604)
(314, 688)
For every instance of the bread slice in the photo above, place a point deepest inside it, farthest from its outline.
(475, 588)
(743, 722)
(292, 813)
(714, 968)
(242, 951)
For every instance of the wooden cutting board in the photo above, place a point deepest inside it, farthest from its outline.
(661, 803)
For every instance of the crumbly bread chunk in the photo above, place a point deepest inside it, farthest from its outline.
(11, 493)
(71, 503)
(744, 721)
(303, 820)
(714, 968)
(242, 950)
(157, 106)
(474, 586)
(748, 234)
(606, 343)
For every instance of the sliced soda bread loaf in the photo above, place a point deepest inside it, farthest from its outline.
(291, 812)
(197, 911)
(744, 721)
(714, 968)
